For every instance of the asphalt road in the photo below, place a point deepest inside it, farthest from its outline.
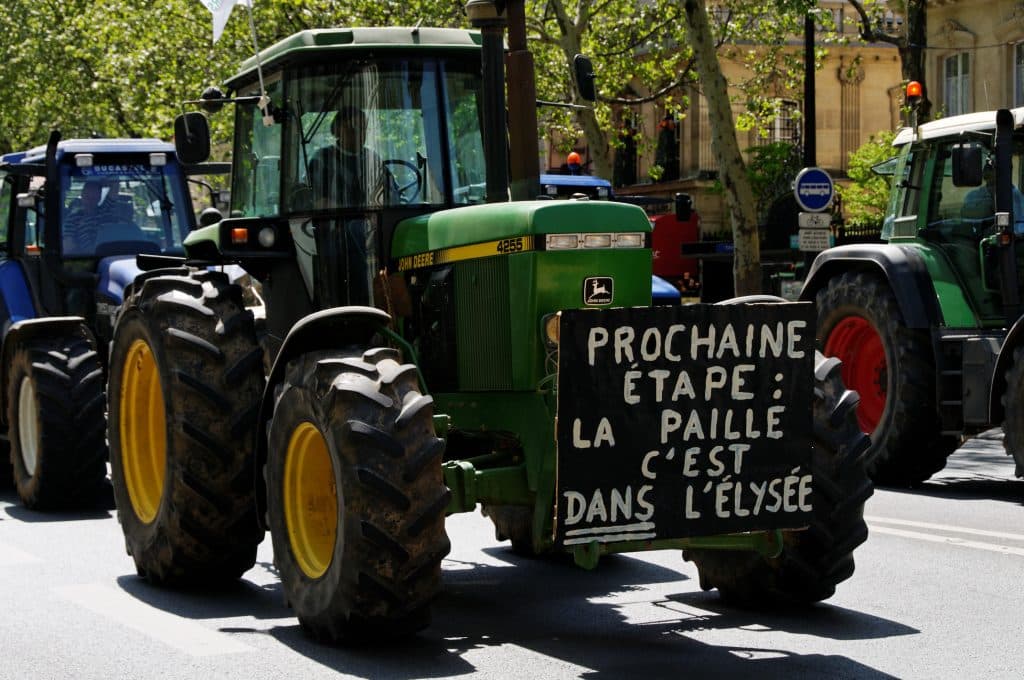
(936, 594)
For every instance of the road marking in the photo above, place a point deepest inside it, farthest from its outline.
(949, 540)
(945, 527)
(178, 632)
(10, 555)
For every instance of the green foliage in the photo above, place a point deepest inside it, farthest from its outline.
(123, 69)
(772, 169)
(866, 198)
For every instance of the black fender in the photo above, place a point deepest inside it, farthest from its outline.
(902, 267)
(326, 329)
(27, 329)
(997, 385)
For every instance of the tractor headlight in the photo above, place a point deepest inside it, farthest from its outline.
(632, 240)
(597, 240)
(562, 241)
(550, 324)
(267, 237)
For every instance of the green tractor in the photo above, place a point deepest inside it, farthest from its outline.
(928, 324)
(581, 419)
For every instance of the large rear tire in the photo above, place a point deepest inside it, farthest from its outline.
(356, 496)
(815, 560)
(55, 410)
(186, 380)
(892, 367)
(1013, 405)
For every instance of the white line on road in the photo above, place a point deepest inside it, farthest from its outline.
(949, 540)
(180, 633)
(10, 555)
(944, 527)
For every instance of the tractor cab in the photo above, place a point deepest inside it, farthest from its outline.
(358, 130)
(110, 200)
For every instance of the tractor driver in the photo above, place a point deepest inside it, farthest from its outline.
(347, 174)
(85, 217)
(982, 201)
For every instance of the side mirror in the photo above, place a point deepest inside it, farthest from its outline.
(192, 137)
(585, 77)
(684, 207)
(967, 165)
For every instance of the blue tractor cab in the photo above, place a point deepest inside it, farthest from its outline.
(74, 214)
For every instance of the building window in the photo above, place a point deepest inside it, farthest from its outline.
(1018, 74)
(957, 80)
(786, 126)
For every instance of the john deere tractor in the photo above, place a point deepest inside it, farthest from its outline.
(435, 348)
(928, 324)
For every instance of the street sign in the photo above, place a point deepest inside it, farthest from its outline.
(815, 240)
(813, 189)
(814, 220)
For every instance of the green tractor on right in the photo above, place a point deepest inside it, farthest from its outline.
(928, 324)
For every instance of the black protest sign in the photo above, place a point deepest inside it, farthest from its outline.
(683, 421)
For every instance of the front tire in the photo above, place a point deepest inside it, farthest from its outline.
(185, 384)
(356, 496)
(815, 560)
(55, 409)
(892, 367)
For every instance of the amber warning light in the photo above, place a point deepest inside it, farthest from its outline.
(239, 235)
(913, 92)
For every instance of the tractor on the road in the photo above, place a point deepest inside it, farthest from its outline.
(435, 347)
(928, 324)
(73, 216)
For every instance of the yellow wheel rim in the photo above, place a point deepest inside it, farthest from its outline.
(310, 500)
(143, 430)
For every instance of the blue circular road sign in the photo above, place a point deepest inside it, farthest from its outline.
(813, 189)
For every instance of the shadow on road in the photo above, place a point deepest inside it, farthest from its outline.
(100, 508)
(980, 469)
(588, 619)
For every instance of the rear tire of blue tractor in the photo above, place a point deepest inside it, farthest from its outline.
(55, 412)
(815, 560)
(186, 379)
(6, 467)
(356, 496)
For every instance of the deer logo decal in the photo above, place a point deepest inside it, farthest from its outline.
(598, 290)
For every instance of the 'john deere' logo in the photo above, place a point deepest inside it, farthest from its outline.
(598, 290)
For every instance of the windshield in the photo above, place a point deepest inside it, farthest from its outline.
(378, 133)
(127, 202)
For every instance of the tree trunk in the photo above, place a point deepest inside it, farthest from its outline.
(732, 170)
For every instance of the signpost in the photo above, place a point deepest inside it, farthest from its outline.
(814, 191)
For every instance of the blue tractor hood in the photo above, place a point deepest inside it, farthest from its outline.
(116, 272)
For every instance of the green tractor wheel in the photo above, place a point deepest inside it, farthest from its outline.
(892, 369)
(356, 497)
(185, 382)
(815, 560)
(55, 406)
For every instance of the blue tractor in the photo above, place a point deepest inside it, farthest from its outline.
(73, 216)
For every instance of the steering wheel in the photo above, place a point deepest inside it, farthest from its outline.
(408, 177)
